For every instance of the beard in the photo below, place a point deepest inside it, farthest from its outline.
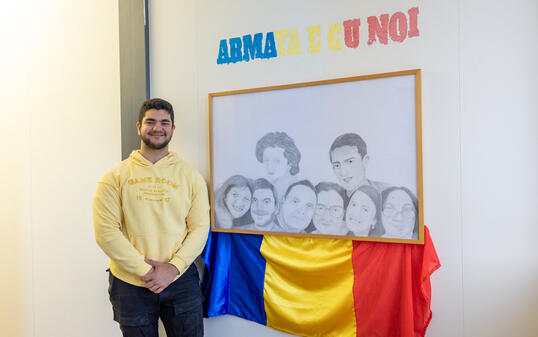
(155, 146)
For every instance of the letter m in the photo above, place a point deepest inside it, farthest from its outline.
(252, 49)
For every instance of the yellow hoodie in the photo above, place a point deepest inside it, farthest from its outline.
(157, 211)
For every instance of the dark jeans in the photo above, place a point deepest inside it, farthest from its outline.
(179, 306)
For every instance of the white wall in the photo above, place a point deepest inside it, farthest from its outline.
(479, 83)
(499, 163)
(61, 131)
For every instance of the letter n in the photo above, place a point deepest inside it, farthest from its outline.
(252, 50)
(375, 28)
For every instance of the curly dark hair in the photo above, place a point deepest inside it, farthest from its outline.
(282, 140)
(157, 104)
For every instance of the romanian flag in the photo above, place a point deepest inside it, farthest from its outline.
(321, 287)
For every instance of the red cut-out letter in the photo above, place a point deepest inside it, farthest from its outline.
(398, 27)
(413, 26)
(374, 28)
(351, 32)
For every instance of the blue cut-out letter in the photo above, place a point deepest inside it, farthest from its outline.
(270, 49)
(252, 50)
(223, 53)
(235, 50)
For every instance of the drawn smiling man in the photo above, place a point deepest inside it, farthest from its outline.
(264, 205)
(297, 208)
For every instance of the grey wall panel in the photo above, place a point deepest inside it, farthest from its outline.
(132, 70)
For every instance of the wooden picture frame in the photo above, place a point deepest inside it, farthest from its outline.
(339, 158)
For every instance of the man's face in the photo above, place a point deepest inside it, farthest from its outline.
(329, 214)
(298, 208)
(263, 207)
(156, 129)
(274, 163)
(349, 167)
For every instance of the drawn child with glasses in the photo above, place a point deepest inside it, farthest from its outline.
(363, 212)
(329, 214)
(400, 213)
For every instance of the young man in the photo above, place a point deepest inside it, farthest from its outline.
(264, 205)
(151, 217)
(350, 159)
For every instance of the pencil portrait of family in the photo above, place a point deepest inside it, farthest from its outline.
(338, 159)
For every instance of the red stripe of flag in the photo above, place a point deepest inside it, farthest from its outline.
(392, 292)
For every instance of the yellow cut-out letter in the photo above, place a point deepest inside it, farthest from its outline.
(315, 43)
(281, 36)
(294, 47)
(333, 42)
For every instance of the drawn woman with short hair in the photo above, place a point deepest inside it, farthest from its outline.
(232, 202)
(280, 158)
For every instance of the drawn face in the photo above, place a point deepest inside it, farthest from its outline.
(263, 207)
(238, 201)
(274, 163)
(298, 208)
(399, 214)
(156, 129)
(349, 166)
(329, 214)
(360, 213)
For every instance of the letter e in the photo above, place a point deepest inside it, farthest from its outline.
(315, 44)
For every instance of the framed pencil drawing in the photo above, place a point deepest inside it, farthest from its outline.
(339, 158)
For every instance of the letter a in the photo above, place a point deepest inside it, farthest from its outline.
(270, 49)
(223, 53)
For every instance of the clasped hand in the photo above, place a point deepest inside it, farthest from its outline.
(160, 276)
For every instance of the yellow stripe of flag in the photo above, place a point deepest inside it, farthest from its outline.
(308, 286)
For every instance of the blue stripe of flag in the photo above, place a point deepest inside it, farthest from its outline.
(234, 276)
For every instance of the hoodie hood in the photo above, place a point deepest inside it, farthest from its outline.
(138, 159)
